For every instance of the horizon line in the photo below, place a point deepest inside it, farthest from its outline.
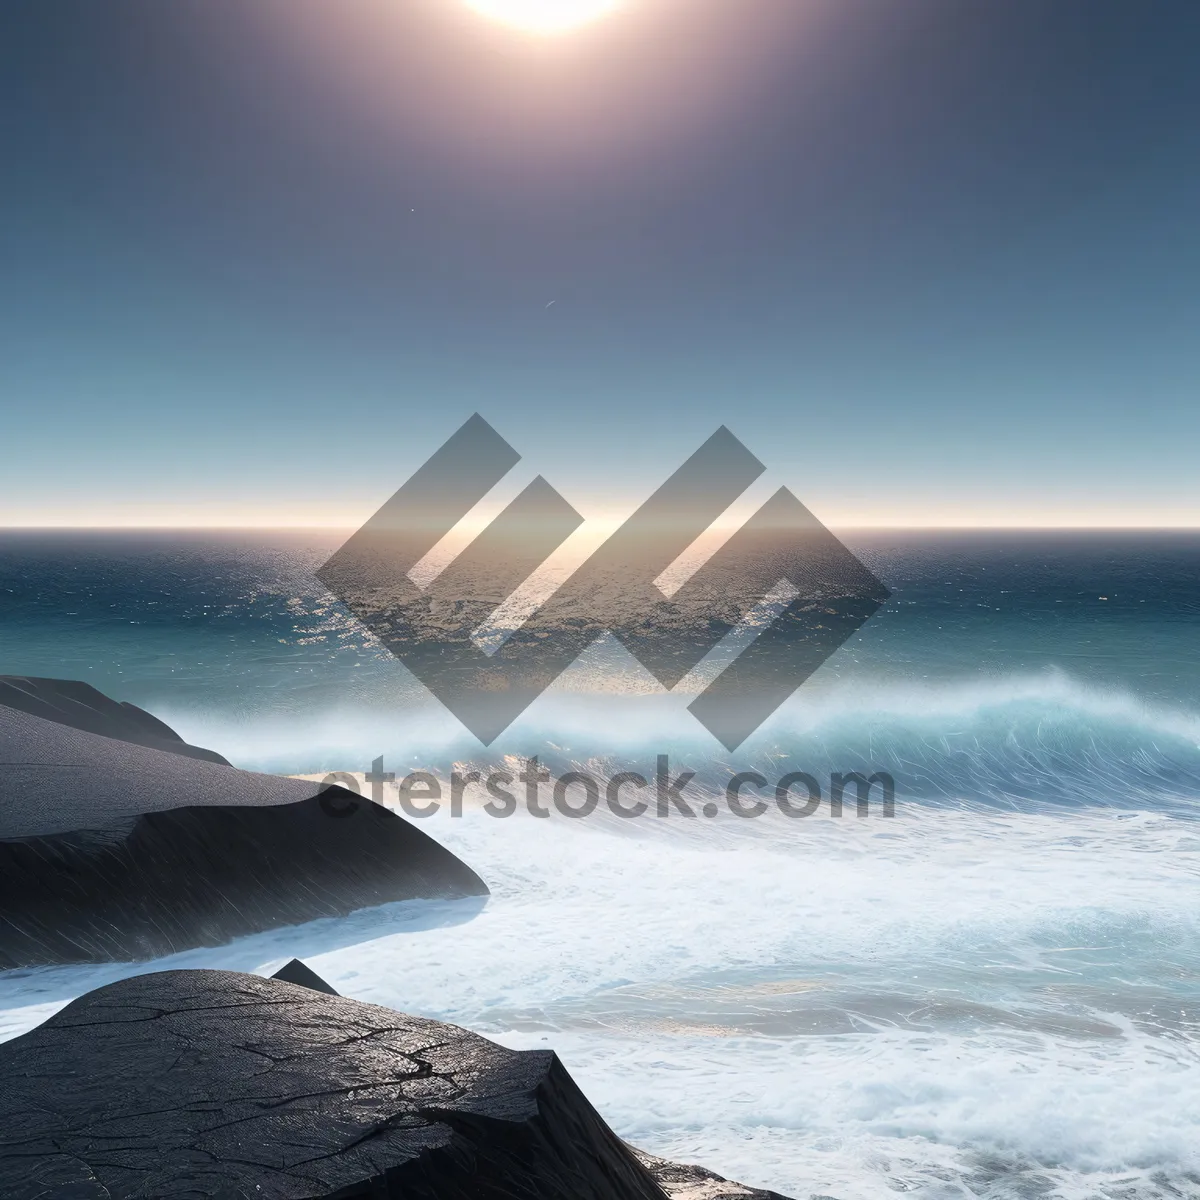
(915, 527)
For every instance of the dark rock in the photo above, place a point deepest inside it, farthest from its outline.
(111, 851)
(303, 976)
(695, 1183)
(58, 779)
(211, 1083)
(81, 706)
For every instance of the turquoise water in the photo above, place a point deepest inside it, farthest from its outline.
(996, 993)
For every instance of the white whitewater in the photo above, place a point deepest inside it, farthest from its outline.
(946, 1004)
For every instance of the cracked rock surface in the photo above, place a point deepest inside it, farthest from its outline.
(678, 1182)
(216, 1084)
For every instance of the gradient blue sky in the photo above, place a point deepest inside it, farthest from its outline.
(934, 261)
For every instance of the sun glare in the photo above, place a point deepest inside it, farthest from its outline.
(544, 16)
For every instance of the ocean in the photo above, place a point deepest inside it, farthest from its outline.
(993, 992)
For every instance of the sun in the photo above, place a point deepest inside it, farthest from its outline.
(545, 16)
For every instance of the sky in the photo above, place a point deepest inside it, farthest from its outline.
(936, 262)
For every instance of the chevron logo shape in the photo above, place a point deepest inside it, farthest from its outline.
(782, 551)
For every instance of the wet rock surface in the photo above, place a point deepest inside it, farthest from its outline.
(217, 1084)
(212, 1083)
(680, 1182)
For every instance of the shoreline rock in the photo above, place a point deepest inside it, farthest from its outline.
(80, 706)
(204, 876)
(218, 1084)
(113, 851)
(680, 1181)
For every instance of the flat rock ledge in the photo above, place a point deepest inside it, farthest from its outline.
(116, 851)
(213, 1084)
(202, 876)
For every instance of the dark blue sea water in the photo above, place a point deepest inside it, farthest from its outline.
(1027, 669)
(996, 993)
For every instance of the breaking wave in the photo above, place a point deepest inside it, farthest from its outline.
(1020, 743)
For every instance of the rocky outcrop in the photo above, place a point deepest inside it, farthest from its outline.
(303, 975)
(81, 706)
(209, 1083)
(113, 851)
(216, 1084)
(680, 1182)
